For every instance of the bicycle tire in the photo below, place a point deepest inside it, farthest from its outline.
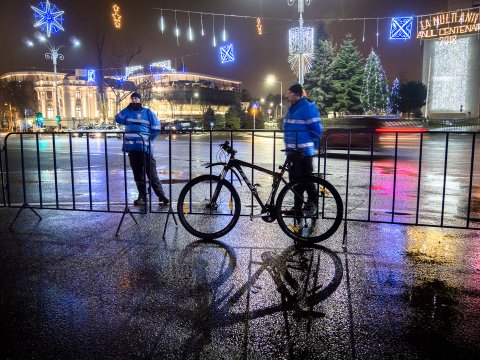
(290, 230)
(193, 228)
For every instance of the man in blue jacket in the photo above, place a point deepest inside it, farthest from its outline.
(141, 128)
(302, 131)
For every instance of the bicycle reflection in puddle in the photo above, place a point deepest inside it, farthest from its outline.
(292, 281)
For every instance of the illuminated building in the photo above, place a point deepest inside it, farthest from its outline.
(451, 61)
(174, 95)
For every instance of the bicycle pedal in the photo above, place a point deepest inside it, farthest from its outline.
(257, 185)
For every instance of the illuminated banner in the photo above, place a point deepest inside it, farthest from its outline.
(447, 26)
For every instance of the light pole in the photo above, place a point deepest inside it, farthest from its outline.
(55, 55)
(271, 79)
(191, 104)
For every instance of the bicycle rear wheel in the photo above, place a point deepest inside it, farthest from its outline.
(309, 209)
(203, 216)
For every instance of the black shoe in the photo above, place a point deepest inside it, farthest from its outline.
(163, 201)
(140, 201)
(310, 209)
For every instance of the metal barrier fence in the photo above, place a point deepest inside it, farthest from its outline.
(422, 179)
(3, 202)
(374, 172)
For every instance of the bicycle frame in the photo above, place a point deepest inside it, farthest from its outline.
(235, 164)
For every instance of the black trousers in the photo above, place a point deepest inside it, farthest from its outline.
(301, 165)
(137, 159)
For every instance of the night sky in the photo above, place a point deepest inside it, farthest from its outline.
(256, 56)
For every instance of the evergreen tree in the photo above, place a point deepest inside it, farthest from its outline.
(395, 97)
(375, 86)
(347, 78)
(318, 81)
(208, 117)
(413, 95)
(234, 117)
(247, 121)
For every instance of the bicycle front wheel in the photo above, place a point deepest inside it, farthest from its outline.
(309, 209)
(208, 207)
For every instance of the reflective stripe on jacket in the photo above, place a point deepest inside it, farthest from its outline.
(303, 127)
(141, 127)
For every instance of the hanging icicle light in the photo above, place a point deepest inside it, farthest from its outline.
(213, 27)
(377, 33)
(190, 32)
(201, 23)
(162, 22)
(363, 36)
(224, 35)
(177, 30)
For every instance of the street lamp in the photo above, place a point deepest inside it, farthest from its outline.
(54, 55)
(271, 80)
(196, 95)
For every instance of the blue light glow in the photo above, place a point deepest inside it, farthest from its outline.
(226, 53)
(48, 17)
(91, 76)
(401, 28)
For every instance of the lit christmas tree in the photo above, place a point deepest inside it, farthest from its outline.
(395, 98)
(375, 87)
(347, 75)
(318, 80)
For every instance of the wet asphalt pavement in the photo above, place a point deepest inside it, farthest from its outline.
(71, 290)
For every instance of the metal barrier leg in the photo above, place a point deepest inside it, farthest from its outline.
(125, 212)
(170, 212)
(24, 206)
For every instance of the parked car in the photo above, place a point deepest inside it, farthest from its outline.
(198, 127)
(83, 128)
(104, 131)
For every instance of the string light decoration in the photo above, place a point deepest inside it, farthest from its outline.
(90, 76)
(214, 41)
(450, 78)
(130, 70)
(48, 18)
(177, 30)
(259, 26)
(162, 22)
(190, 32)
(224, 35)
(226, 53)
(117, 18)
(401, 28)
(301, 41)
(201, 24)
(165, 65)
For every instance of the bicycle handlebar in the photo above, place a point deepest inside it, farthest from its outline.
(226, 146)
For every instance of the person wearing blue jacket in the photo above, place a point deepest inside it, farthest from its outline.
(141, 128)
(302, 131)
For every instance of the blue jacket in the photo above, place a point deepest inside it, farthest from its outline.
(142, 121)
(302, 127)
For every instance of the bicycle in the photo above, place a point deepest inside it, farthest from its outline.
(209, 206)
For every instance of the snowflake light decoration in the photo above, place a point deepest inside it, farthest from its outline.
(226, 53)
(48, 17)
(401, 28)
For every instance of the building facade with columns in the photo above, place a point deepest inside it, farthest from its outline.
(171, 95)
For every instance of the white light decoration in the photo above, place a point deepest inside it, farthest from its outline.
(177, 30)
(213, 28)
(201, 24)
(301, 41)
(48, 17)
(130, 70)
(450, 75)
(165, 65)
(295, 40)
(224, 34)
(190, 31)
(90, 76)
(162, 22)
